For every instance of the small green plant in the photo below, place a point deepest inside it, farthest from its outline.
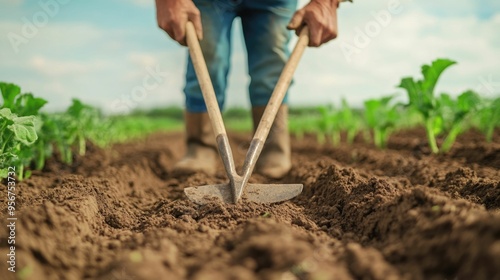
(18, 127)
(25, 272)
(328, 125)
(332, 122)
(56, 133)
(421, 97)
(85, 123)
(303, 121)
(487, 117)
(16, 133)
(455, 114)
(350, 121)
(266, 215)
(136, 257)
(29, 137)
(381, 117)
(20, 104)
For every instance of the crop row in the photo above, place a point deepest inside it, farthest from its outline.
(442, 116)
(29, 137)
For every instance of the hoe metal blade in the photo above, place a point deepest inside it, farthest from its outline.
(260, 193)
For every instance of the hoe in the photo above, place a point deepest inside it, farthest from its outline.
(232, 191)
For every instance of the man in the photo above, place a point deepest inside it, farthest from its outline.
(266, 25)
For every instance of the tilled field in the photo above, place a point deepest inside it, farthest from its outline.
(364, 213)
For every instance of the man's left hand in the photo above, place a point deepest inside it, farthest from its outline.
(320, 16)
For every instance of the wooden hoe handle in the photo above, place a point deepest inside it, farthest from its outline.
(282, 86)
(200, 67)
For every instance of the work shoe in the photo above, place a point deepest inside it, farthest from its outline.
(201, 154)
(275, 159)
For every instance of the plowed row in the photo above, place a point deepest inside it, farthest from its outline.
(364, 213)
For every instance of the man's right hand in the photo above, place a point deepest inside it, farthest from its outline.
(173, 15)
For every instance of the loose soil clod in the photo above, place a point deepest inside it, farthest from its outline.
(364, 214)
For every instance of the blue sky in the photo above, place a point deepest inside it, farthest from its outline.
(111, 53)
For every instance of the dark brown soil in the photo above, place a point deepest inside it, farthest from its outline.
(399, 213)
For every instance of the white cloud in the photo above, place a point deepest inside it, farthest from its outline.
(142, 59)
(64, 68)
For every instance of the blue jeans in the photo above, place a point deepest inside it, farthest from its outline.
(266, 38)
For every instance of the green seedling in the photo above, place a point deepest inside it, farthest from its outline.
(350, 121)
(381, 117)
(487, 118)
(422, 98)
(455, 116)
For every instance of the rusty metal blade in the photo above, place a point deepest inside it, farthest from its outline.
(260, 193)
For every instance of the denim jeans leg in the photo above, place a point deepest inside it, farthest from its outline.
(217, 22)
(266, 38)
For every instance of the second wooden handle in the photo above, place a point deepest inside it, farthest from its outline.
(282, 86)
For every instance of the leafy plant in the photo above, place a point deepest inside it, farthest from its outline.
(54, 134)
(299, 126)
(381, 117)
(18, 128)
(488, 117)
(29, 136)
(21, 104)
(82, 121)
(332, 122)
(328, 125)
(455, 115)
(16, 132)
(421, 97)
(350, 121)
(70, 131)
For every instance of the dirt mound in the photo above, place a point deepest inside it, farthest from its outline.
(364, 214)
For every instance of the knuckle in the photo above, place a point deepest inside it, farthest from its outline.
(300, 12)
(164, 27)
(161, 24)
(164, 24)
(332, 34)
(178, 37)
(170, 22)
(314, 43)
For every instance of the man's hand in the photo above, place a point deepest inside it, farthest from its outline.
(173, 15)
(320, 16)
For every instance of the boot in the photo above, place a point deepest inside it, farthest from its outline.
(201, 154)
(275, 159)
